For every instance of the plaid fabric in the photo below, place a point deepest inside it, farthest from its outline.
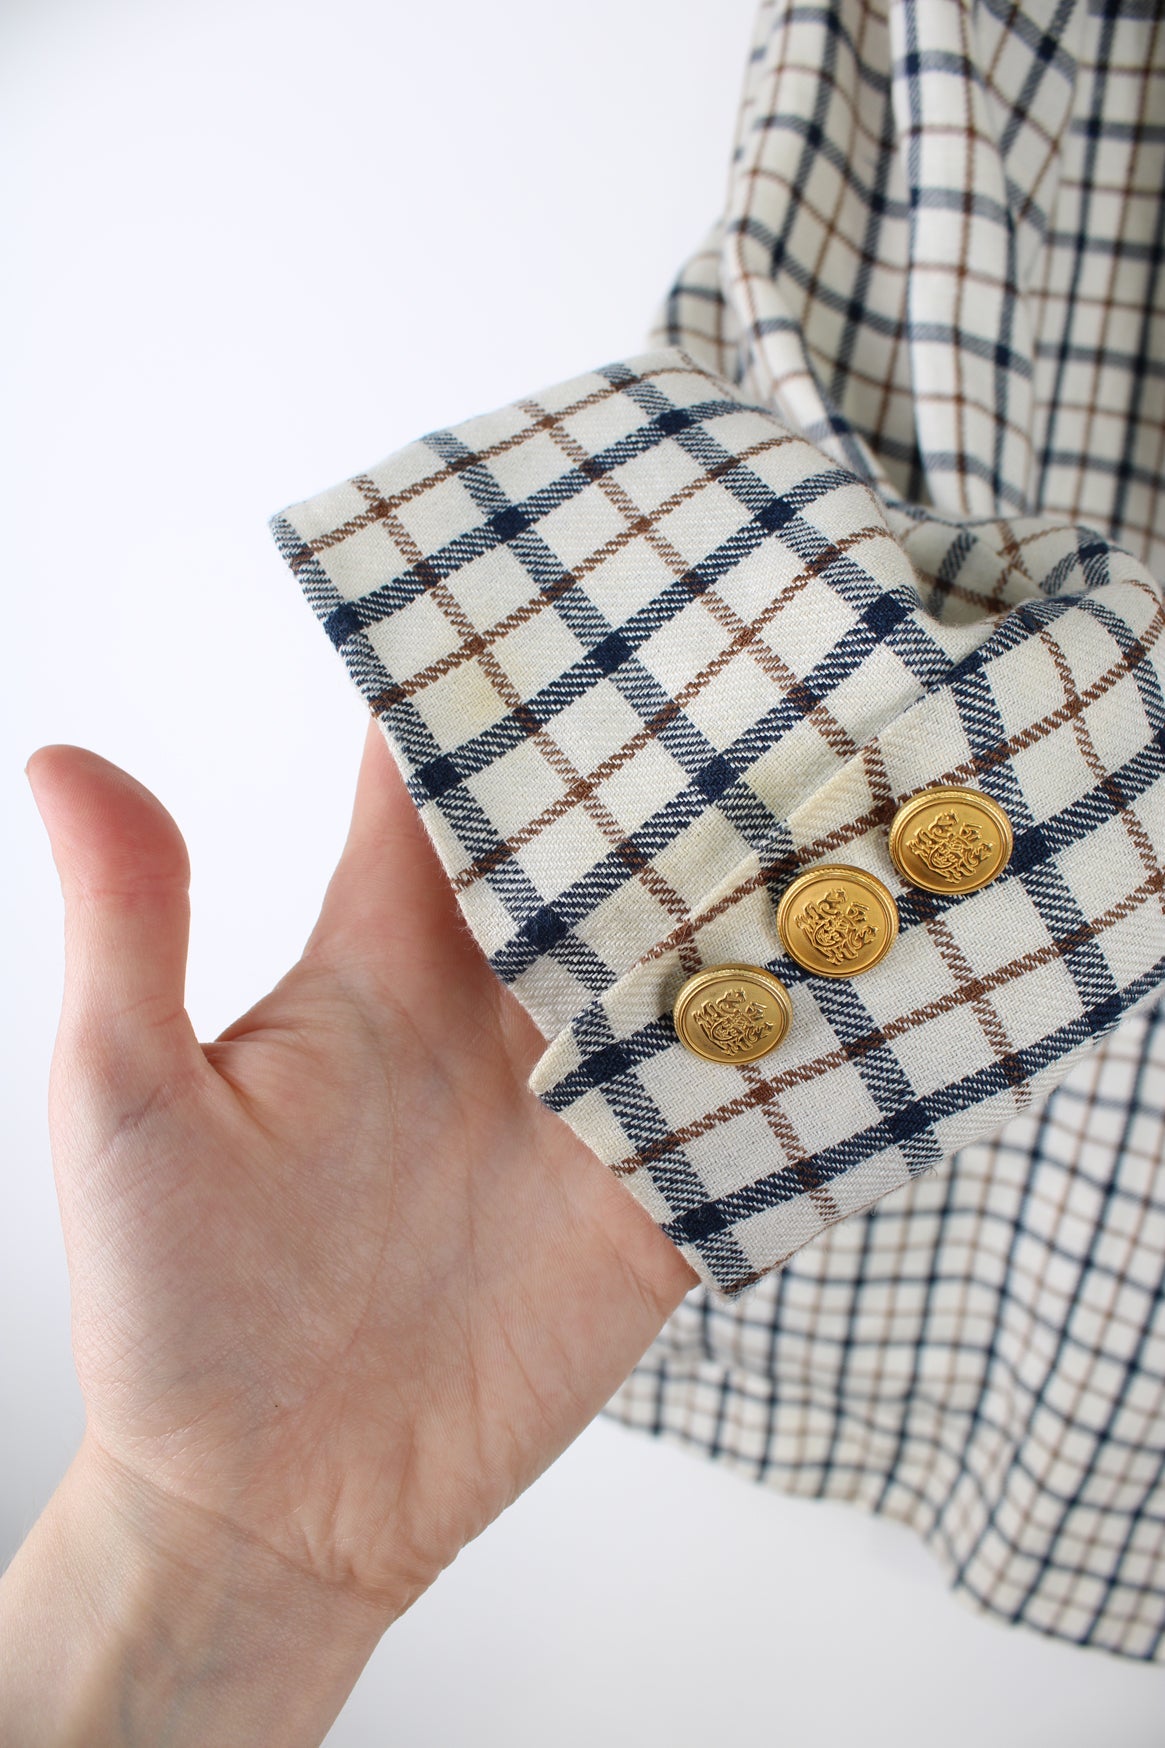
(644, 654)
(877, 513)
(982, 1357)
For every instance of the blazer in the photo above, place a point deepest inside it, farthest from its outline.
(786, 703)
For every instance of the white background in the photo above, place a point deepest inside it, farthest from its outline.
(251, 248)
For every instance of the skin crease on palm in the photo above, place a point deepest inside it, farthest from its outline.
(340, 1282)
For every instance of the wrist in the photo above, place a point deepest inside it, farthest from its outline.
(132, 1617)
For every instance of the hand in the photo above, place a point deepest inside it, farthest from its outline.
(342, 1287)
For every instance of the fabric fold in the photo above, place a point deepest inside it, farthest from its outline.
(643, 654)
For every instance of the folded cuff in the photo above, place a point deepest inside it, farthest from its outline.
(643, 654)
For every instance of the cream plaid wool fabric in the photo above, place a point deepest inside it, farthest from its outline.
(879, 512)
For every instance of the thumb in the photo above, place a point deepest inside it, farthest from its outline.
(125, 877)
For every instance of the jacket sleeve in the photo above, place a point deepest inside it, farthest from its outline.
(644, 655)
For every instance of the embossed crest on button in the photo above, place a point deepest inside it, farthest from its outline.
(836, 920)
(732, 1013)
(950, 840)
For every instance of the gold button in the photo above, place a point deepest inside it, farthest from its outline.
(732, 1013)
(950, 840)
(836, 920)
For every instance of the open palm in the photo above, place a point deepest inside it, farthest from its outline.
(338, 1277)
